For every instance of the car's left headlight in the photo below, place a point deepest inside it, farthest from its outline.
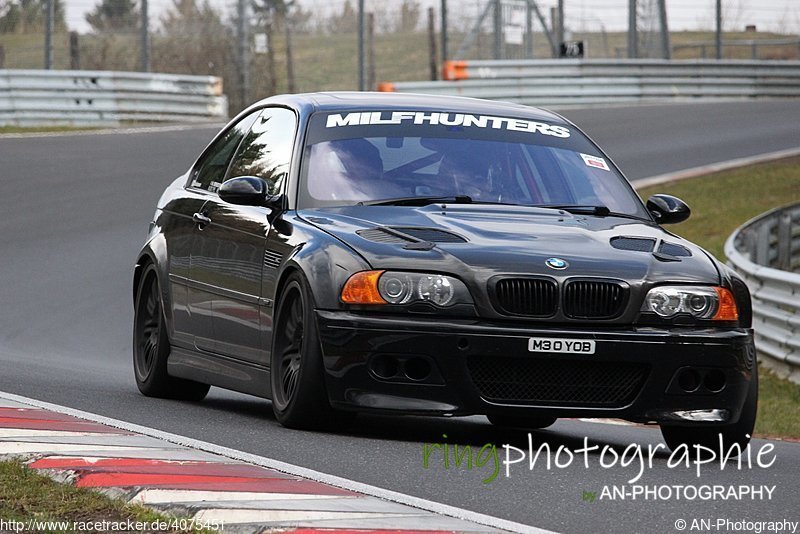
(699, 302)
(400, 287)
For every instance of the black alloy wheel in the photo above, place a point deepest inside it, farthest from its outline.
(299, 396)
(151, 346)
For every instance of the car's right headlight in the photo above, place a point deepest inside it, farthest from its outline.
(400, 287)
(699, 302)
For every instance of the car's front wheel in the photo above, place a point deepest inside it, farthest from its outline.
(151, 346)
(299, 396)
(738, 433)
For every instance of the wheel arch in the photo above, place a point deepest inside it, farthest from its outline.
(155, 253)
(326, 264)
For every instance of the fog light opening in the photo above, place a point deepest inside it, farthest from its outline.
(715, 381)
(689, 380)
(417, 369)
(385, 367)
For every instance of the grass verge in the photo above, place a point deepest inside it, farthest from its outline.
(27, 496)
(43, 129)
(720, 203)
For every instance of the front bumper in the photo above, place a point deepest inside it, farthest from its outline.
(433, 365)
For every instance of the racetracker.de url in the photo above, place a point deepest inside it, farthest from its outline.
(129, 525)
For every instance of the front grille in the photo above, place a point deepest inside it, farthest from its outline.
(532, 297)
(594, 299)
(556, 382)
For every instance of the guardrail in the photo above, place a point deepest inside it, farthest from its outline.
(107, 98)
(549, 82)
(765, 251)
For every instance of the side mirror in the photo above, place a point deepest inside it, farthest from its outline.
(249, 191)
(667, 209)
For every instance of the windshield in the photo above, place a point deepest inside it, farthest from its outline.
(366, 158)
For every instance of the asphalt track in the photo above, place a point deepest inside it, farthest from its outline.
(74, 213)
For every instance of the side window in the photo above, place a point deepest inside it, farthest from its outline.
(210, 170)
(266, 151)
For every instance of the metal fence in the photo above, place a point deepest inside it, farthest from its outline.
(765, 251)
(107, 98)
(592, 82)
(315, 44)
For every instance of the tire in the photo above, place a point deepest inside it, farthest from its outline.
(299, 396)
(737, 433)
(151, 346)
(532, 422)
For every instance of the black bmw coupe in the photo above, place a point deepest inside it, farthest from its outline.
(407, 254)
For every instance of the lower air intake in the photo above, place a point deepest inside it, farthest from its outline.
(556, 382)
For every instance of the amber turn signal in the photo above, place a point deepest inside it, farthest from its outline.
(362, 288)
(726, 311)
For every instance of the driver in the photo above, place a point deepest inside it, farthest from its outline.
(471, 173)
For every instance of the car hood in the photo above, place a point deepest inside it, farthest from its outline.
(484, 240)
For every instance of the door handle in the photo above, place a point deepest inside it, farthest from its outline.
(201, 220)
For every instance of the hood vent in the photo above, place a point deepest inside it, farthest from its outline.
(381, 235)
(666, 251)
(635, 244)
(432, 235)
(408, 236)
(672, 249)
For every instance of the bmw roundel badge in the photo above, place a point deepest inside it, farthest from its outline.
(556, 263)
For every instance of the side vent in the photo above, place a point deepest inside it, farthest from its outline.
(272, 259)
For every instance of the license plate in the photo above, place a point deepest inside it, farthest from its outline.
(561, 346)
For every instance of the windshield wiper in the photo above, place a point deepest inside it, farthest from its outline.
(580, 209)
(417, 201)
(601, 211)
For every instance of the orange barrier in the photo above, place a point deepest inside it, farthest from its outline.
(454, 70)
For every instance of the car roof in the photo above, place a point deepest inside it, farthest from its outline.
(372, 101)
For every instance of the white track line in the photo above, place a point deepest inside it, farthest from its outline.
(31, 433)
(232, 516)
(27, 447)
(715, 167)
(166, 496)
(374, 491)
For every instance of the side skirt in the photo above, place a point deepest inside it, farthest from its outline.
(220, 371)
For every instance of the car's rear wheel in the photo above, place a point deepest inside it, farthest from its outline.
(151, 346)
(737, 433)
(531, 422)
(299, 396)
